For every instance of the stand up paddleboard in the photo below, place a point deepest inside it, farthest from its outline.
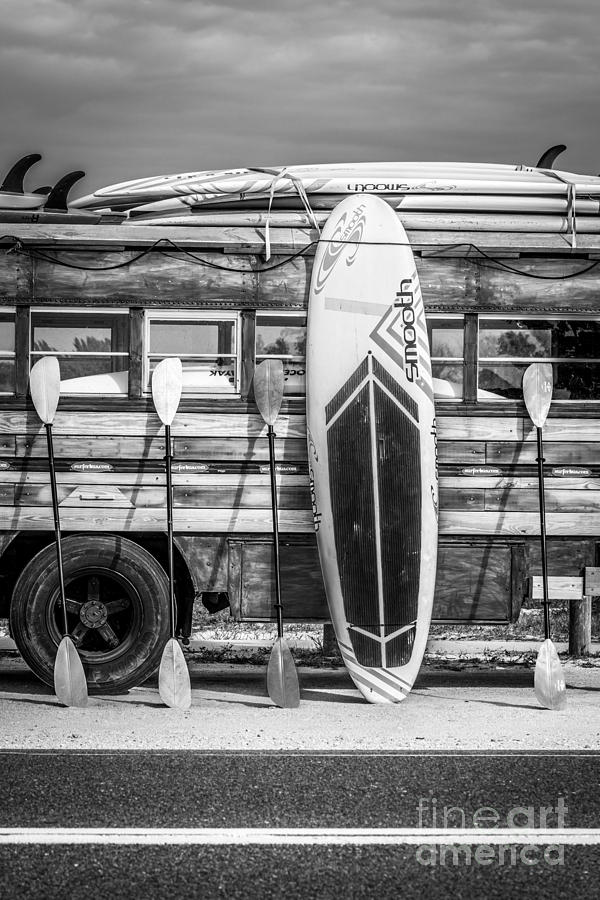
(371, 445)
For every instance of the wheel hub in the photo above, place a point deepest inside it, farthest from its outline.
(93, 614)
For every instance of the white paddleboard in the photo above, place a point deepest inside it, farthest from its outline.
(371, 445)
(421, 177)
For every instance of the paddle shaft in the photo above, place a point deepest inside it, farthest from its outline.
(278, 603)
(59, 561)
(168, 461)
(540, 462)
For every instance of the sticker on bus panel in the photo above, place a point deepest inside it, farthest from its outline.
(92, 467)
(281, 468)
(189, 467)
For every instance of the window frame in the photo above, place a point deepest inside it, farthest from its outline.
(34, 355)
(508, 316)
(182, 315)
(8, 354)
(259, 357)
(462, 360)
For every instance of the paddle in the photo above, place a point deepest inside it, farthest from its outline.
(70, 684)
(173, 675)
(549, 681)
(282, 677)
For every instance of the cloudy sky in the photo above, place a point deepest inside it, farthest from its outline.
(126, 88)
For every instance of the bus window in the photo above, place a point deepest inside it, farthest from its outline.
(508, 346)
(92, 348)
(283, 336)
(446, 344)
(7, 353)
(207, 345)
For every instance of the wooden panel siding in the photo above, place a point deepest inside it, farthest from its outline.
(557, 453)
(497, 504)
(555, 500)
(507, 524)
(90, 518)
(131, 424)
(451, 279)
(249, 240)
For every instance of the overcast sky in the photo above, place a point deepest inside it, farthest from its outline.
(126, 88)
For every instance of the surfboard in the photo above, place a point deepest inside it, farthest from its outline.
(10, 200)
(398, 177)
(193, 204)
(473, 221)
(372, 445)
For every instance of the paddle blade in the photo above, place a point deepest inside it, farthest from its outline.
(70, 685)
(174, 678)
(549, 679)
(537, 391)
(268, 389)
(282, 678)
(167, 382)
(44, 384)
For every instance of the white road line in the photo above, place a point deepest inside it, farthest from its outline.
(302, 836)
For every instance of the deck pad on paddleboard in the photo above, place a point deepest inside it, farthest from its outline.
(372, 445)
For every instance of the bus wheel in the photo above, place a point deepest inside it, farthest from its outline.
(117, 610)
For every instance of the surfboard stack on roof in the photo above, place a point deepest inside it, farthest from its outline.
(444, 196)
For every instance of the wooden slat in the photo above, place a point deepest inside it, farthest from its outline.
(452, 522)
(257, 450)
(120, 422)
(7, 494)
(461, 498)
(518, 524)
(156, 277)
(556, 501)
(468, 453)
(479, 428)
(82, 448)
(559, 588)
(188, 520)
(112, 449)
(558, 453)
(245, 498)
(8, 446)
(519, 483)
(140, 235)
(139, 479)
(221, 496)
(565, 430)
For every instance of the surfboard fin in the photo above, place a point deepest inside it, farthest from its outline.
(13, 182)
(547, 159)
(57, 198)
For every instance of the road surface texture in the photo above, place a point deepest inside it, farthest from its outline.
(467, 789)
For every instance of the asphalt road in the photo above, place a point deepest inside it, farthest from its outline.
(291, 790)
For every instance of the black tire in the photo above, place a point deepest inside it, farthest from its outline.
(117, 606)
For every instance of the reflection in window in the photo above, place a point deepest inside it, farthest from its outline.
(7, 353)
(446, 343)
(206, 345)
(508, 346)
(92, 349)
(283, 336)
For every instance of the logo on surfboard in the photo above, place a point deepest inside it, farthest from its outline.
(343, 244)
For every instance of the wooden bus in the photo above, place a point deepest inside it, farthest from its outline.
(110, 302)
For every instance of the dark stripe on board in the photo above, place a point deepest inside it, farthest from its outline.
(395, 390)
(344, 392)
